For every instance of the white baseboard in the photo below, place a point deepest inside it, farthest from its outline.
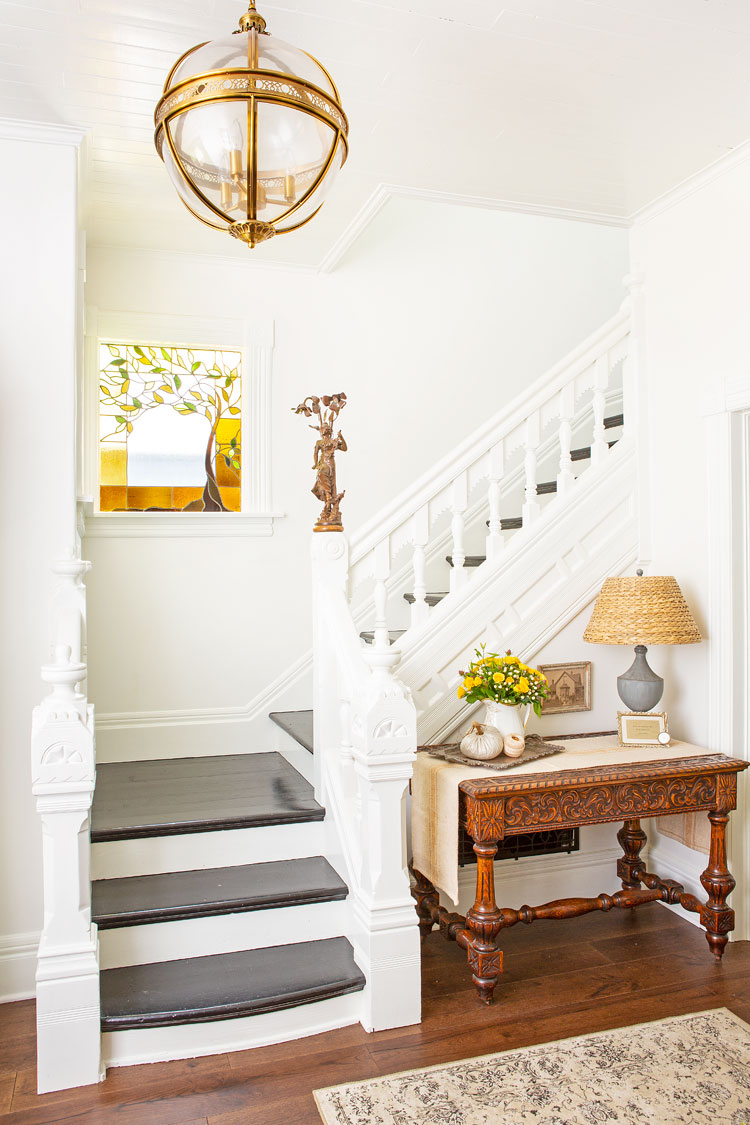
(672, 860)
(18, 966)
(537, 879)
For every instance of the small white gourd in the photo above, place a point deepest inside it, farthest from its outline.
(482, 742)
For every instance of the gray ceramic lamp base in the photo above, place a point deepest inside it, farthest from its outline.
(640, 688)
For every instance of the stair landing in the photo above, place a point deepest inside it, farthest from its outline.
(172, 796)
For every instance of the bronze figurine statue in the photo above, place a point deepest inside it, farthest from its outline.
(327, 410)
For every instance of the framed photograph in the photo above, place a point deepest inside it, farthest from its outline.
(569, 687)
(643, 728)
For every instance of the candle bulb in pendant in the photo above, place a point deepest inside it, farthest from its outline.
(236, 164)
(290, 188)
(226, 195)
(260, 195)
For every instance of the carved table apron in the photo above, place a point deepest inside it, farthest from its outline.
(503, 805)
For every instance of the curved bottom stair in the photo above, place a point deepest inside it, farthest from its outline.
(203, 945)
(227, 985)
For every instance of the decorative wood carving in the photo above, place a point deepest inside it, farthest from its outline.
(327, 446)
(495, 804)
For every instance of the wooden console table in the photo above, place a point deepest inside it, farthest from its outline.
(509, 803)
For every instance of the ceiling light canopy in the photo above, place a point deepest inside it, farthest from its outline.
(252, 132)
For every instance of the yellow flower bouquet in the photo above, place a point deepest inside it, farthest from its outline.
(502, 679)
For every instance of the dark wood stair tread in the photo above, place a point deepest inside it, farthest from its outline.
(613, 421)
(299, 724)
(393, 635)
(227, 985)
(144, 899)
(172, 796)
(431, 599)
(470, 560)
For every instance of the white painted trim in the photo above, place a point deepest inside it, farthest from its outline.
(384, 192)
(501, 424)
(130, 1048)
(18, 953)
(191, 259)
(179, 525)
(692, 184)
(254, 338)
(40, 132)
(672, 860)
(258, 707)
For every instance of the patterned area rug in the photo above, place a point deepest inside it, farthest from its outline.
(688, 1070)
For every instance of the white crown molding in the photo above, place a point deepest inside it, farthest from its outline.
(195, 259)
(40, 132)
(385, 192)
(692, 184)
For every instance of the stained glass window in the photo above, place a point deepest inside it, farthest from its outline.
(169, 429)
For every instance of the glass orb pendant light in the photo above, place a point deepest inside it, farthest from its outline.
(252, 132)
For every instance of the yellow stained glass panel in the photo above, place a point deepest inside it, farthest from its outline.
(169, 428)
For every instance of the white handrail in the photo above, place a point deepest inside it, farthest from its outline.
(493, 430)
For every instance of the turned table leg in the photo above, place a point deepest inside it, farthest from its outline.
(427, 900)
(483, 923)
(716, 916)
(631, 838)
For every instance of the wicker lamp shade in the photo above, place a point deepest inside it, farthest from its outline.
(641, 611)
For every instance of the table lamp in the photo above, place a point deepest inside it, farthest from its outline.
(641, 611)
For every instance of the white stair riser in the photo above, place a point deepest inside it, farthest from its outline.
(160, 1044)
(227, 933)
(300, 759)
(199, 850)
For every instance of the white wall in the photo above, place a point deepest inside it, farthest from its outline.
(37, 348)
(438, 316)
(692, 251)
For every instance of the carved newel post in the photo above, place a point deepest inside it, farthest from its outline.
(63, 772)
(365, 746)
(384, 743)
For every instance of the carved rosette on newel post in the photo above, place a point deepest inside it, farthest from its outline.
(326, 409)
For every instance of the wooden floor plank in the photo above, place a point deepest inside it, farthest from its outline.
(584, 975)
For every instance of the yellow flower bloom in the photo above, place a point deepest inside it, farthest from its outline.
(461, 691)
(523, 685)
(469, 683)
(510, 659)
(498, 677)
(478, 681)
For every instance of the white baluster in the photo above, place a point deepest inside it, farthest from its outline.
(494, 493)
(566, 476)
(382, 571)
(345, 718)
(420, 609)
(459, 573)
(599, 447)
(531, 508)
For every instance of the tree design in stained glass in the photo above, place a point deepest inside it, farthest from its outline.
(169, 429)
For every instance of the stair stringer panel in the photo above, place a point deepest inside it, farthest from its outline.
(521, 600)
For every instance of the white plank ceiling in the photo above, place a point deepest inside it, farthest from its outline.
(592, 105)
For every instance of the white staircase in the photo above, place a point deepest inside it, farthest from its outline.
(504, 541)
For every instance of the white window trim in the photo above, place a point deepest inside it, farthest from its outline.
(254, 339)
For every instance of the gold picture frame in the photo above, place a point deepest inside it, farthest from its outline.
(569, 687)
(642, 728)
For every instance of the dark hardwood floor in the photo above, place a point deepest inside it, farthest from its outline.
(561, 979)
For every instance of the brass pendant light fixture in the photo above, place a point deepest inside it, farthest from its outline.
(252, 132)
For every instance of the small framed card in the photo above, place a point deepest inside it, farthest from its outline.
(643, 728)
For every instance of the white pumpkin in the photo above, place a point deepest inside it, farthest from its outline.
(482, 742)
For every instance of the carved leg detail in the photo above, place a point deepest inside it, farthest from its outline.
(427, 900)
(716, 916)
(632, 838)
(484, 922)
